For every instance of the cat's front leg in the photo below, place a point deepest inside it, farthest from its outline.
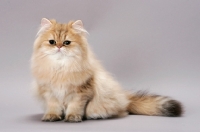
(53, 110)
(76, 107)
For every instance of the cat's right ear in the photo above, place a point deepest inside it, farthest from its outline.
(45, 25)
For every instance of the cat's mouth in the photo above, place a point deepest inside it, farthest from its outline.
(59, 51)
(62, 54)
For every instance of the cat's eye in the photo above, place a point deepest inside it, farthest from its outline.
(52, 41)
(66, 42)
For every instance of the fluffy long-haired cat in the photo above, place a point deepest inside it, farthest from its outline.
(73, 85)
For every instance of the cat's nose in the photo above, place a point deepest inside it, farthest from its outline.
(59, 45)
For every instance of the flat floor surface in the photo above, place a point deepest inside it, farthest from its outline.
(146, 45)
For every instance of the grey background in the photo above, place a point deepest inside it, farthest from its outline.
(146, 44)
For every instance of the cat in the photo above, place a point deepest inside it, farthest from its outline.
(73, 85)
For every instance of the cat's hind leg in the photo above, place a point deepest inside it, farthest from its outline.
(106, 108)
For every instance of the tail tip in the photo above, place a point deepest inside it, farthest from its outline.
(172, 108)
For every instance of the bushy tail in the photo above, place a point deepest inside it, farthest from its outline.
(155, 105)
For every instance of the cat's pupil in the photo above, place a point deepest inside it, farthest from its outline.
(52, 41)
(67, 42)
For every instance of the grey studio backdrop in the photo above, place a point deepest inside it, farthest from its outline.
(146, 44)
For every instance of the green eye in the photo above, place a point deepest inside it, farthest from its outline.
(67, 42)
(52, 41)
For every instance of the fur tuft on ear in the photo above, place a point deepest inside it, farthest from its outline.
(78, 27)
(45, 24)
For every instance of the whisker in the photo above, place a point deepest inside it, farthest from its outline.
(76, 54)
(51, 52)
(46, 53)
(42, 56)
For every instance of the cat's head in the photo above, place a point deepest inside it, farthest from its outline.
(61, 41)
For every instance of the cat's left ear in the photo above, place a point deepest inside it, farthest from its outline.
(78, 27)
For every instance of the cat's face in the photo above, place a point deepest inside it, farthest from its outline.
(61, 41)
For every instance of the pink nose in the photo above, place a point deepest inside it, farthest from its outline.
(59, 46)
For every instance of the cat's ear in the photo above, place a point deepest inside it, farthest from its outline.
(44, 25)
(78, 27)
(45, 22)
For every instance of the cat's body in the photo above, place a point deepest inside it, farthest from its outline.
(70, 80)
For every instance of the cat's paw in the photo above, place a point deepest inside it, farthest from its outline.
(73, 118)
(51, 117)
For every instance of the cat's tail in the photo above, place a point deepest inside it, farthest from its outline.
(142, 103)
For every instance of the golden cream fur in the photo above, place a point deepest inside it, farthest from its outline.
(73, 85)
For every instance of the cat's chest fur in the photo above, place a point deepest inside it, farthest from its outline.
(63, 94)
(61, 79)
(60, 72)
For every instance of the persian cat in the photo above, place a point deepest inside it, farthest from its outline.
(74, 86)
